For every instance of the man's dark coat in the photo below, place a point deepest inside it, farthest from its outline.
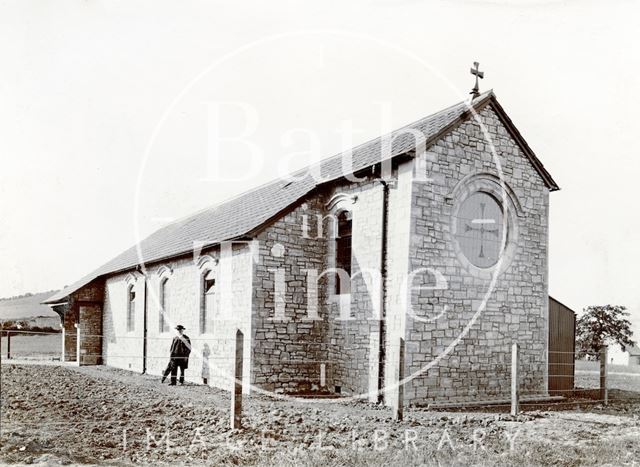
(180, 350)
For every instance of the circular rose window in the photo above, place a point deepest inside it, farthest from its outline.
(480, 229)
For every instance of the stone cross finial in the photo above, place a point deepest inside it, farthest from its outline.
(475, 92)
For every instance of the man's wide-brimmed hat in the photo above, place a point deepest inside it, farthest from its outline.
(180, 327)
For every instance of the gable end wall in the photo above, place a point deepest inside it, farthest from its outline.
(517, 310)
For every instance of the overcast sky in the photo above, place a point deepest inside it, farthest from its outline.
(106, 108)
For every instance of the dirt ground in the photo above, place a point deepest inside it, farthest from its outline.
(60, 415)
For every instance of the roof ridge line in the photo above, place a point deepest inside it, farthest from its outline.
(315, 164)
(482, 96)
(434, 124)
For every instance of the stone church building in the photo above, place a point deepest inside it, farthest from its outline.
(436, 234)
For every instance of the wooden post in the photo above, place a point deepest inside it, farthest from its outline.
(236, 393)
(77, 343)
(62, 352)
(515, 400)
(399, 408)
(604, 393)
(8, 345)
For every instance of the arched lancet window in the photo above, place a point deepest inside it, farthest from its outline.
(343, 250)
(164, 305)
(207, 301)
(131, 308)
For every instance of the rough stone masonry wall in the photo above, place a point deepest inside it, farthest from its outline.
(354, 348)
(89, 301)
(69, 320)
(90, 334)
(288, 353)
(479, 365)
(84, 310)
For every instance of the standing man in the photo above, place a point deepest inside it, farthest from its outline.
(179, 356)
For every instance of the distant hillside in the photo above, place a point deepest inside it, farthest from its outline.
(25, 307)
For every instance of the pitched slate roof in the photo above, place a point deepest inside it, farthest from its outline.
(247, 212)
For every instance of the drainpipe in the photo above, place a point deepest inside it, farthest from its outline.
(144, 324)
(383, 279)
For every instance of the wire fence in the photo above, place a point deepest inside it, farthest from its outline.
(564, 380)
(33, 345)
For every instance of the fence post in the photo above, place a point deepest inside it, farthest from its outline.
(236, 393)
(323, 375)
(62, 352)
(515, 399)
(604, 393)
(8, 345)
(399, 408)
(77, 325)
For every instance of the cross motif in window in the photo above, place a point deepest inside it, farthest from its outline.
(482, 221)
